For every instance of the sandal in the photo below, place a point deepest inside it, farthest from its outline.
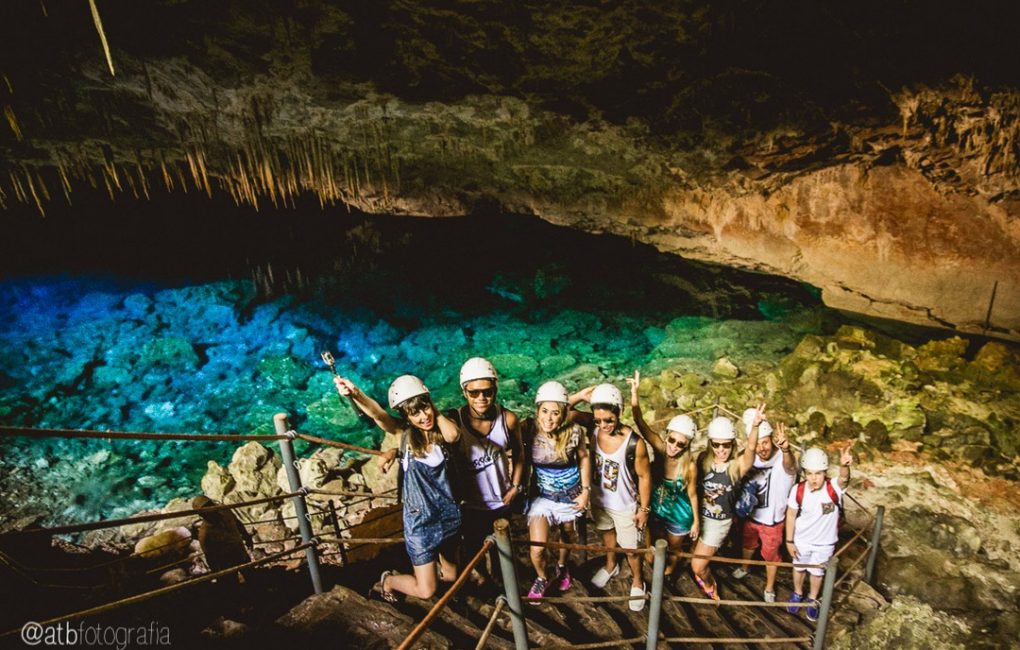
(711, 592)
(380, 587)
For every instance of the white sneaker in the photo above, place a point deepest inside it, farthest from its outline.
(739, 573)
(770, 596)
(637, 598)
(602, 577)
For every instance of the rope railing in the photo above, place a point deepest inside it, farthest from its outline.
(339, 445)
(385, 494)
(441, 603)
(29, 432)
(593, 646)
(736, 639)
(141, 519)
(680, 554)
(487, 632)
(138, 598)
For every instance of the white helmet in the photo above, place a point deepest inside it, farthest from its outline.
(764, 430)
(476, 368)
(815, 460)
(552, 391)
(682, 424)
(404, 388)
(721, 428)
(607, 394)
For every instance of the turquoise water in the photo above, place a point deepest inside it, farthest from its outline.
(96, 353)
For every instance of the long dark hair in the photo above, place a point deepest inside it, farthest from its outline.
(417, 439)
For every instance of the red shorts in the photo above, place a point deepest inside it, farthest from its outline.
(770, 536)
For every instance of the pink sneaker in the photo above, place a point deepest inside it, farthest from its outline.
(538, 588)
(563, 581)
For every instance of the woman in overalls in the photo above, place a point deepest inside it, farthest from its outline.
(431, 514)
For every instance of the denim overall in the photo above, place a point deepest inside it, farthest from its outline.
(431, 514)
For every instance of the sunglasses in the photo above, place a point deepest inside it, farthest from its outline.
(605, 420)
(721, 445)
(481, 392)
(675, 441)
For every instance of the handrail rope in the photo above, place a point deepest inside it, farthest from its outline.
(4, 559)
(314, 513)
(164, 567)
(588, 599)
(709, 640)
(333, 539)
(114, 523)
(592, 646)
(276, 541)
(348, 493)
(690, 412)
(366, 520)
(487, 632)
(679, 554)
(137, 598)
(700, 600)
(101, 565)
(31, 432)
(450, 593)
(850, 541)
(341, 445)
(853, 565)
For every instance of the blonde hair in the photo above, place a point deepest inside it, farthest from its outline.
(732, 465)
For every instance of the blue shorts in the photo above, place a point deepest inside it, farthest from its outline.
(671, 527)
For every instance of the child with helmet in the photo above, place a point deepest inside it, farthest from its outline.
(622, 487)
(491, 436)
(721, 468)
(674, 475)
(431, 514)
(812, 523)
(562, 467)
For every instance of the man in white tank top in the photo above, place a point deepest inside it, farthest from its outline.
(621, 494)
(491, 433)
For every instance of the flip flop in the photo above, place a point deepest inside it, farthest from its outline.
(384, 593)
(711, 592)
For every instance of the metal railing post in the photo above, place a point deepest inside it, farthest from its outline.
(876, 535)
(823, 613)
(658, 584)
(501, 533)
(304, 524)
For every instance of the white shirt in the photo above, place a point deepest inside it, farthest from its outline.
(773, 488)
(487, 463)
(818, 521)
(614, 487)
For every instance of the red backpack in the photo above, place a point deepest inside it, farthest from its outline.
(832, 495)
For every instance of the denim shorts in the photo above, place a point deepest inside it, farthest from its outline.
(671, 527)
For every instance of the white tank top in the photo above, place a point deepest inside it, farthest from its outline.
(487, 463)
(615, 488)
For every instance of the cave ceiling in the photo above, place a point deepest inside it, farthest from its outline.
(869, 148)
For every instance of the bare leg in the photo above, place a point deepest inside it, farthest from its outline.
(770, 577)
(609, 539)
(798, 581)
(448, 569)
(747, 554)
(634, 561)
(676, 545)
(420, 585)
(700, 565)
(538, 530)
(568, 535)
(816, 586)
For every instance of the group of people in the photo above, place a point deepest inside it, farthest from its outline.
(463, 469)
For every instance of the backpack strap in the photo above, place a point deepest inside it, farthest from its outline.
(800, 495)
(400, 466)
(632, 452)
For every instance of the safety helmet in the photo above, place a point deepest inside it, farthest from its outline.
(607, 394)
(764, 430)
(404, 388)
(815, 460)
(721, 428)
(682, 424)
(477, 368)
(552, 391)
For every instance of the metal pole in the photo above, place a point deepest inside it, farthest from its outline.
(658, 584)
(336, 531)
(287, 451)
(823, 614)
(876, 535)
(501, 533)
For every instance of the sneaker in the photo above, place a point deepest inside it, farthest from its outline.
(563, 581)
(538, 588)
(812, 611)
(770, 596)
(637, 598)
(795, 598)
(739, 573)
(602, 577)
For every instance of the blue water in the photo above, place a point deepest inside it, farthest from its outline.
(95, 353)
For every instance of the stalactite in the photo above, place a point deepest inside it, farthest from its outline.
(12, 120)
(35, 195)
(7, 82)
(102, 35)
(64, 182)
(42, 185)
(19, 192)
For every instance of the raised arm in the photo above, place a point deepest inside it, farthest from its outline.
(789, 462)
(845, 460)
(747, 458)
(369, 406)
(653, 437)
(584, 418)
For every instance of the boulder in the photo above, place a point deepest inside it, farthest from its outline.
(254, 470)
(907, 624)
(217, 481)
(725, 368)
(167, 544)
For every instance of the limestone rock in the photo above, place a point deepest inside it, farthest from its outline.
(217, 481)
(166, 544)
(725, 368)
(254, 470)
(909, 624)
